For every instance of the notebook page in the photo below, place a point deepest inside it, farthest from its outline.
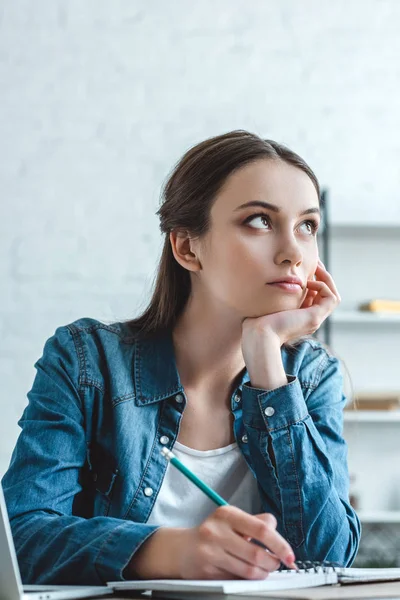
(275, 581)
(373, 591)
(354, 575)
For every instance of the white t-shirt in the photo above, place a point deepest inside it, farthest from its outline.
(181, 504)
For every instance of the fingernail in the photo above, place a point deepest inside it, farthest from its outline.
(289, 562)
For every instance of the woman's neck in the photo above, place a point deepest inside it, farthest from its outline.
(207, 347)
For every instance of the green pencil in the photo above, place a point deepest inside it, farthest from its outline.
(188, 473)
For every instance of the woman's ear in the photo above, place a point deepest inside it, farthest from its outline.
(183, 250)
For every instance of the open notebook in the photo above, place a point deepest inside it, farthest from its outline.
(279, 580)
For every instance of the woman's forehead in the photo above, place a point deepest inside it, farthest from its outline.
(273, 181)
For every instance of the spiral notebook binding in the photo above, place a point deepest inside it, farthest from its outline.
(308, 566)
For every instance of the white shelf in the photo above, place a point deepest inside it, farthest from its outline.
(372, 416)
(361, 229)
(358, 316)
(379, 516)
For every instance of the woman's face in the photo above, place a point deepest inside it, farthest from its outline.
(257, 235)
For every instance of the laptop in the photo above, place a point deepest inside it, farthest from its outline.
(11, 587)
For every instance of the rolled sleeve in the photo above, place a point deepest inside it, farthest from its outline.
(118, 548)
(300, 460)
(276, 408)
(56, 543)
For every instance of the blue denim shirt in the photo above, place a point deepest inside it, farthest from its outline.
(90, 446)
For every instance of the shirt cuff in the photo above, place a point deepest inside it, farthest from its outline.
(118, 549)
(274, 409)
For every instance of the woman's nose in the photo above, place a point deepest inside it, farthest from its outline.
(289, 250)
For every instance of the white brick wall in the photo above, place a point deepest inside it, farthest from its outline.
(99, 98)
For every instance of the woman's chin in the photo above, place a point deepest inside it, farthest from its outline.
(274, 307)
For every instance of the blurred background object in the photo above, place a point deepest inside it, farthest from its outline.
(99, 99)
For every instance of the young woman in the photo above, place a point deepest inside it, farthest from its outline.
(218, 369)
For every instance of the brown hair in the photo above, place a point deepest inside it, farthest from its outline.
(186, 203)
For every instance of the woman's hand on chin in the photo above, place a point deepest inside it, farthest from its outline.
(263, 336)
(321, 300)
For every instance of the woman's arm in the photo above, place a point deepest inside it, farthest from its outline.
(43, 485)
(295, 430)
(300, 457)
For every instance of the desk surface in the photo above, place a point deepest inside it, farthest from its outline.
(390, 589)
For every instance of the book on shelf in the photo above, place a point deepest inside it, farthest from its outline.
(381, 305)
(375, 401)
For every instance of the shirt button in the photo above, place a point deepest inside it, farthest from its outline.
(269, 411)
(164, 439)
(244, 439)
(148, 491)
(179, 398)
(237, 397)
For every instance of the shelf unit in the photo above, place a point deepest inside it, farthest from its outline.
(327, 232)
(379, 516)
(379, 428)
(358, 316)
(372, 416)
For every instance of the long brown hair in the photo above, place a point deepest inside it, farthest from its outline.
(187, 199)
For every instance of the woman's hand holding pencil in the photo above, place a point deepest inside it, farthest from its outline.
(228, 544)
(221, 542)
(219, 548)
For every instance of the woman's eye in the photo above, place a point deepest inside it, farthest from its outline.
(312, 226)
(258, 221)
(262, 221)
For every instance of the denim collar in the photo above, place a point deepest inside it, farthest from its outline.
(155, 374)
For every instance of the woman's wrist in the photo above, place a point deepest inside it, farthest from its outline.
(159, 556)
(267, 371)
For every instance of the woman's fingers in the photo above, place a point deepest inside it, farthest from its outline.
(247, 565)
(323, 291)
(218, 548)
(321, 287)
(327, 278)
(262, 530)
(248, 559)
(324, 303)
(251, 553)
(325, 299)
(309, 298)
(216, 570)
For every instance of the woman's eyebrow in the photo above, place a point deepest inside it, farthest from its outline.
(276, 208)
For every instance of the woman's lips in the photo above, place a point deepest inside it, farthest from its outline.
(287, 287)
